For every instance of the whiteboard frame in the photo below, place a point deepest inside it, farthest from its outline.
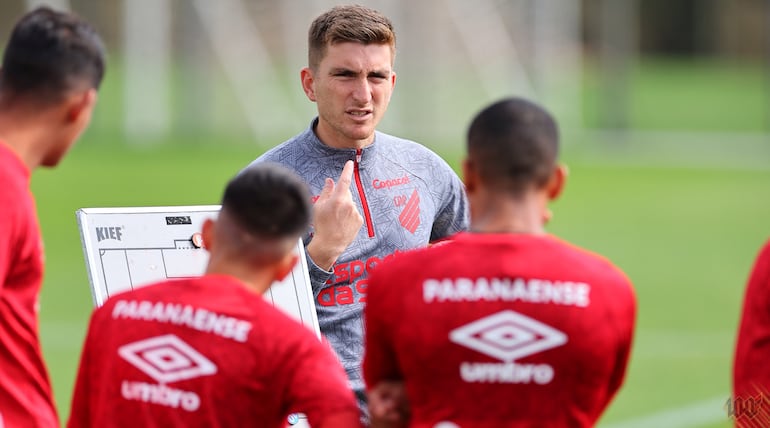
(86, 217)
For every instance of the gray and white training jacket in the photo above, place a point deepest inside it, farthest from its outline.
(408, 197)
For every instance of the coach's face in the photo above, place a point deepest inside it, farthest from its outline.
(352, 86)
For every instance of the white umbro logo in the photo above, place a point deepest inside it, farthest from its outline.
(508, 336)
(167, 359)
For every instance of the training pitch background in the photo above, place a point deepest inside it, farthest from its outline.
(683, 214)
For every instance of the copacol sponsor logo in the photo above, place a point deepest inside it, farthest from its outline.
(166, 359)
(115, 232)
(507, 336)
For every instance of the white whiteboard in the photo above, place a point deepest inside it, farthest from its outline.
(127, 248)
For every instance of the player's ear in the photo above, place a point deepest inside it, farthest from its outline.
(469, 175)
(392, 84)
(285, 265)
(556, 182)
(80, 105)
(207, 232)
(308, 82)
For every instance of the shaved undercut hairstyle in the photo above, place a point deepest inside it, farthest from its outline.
(514, 145)
(267, 208)
(50, 54)
(351, 23)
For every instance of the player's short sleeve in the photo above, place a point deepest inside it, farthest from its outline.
(750, 368)
(379, 362)
(316, 382)
(10, 226)
(82, 408)
(625, 325)
(6, 244)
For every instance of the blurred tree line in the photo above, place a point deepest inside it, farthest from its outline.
(612, 34)
(728, 28)
(731, 28)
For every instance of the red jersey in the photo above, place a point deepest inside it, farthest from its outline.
(494, 330)
(204, 352)
(25, 389)
(751, 372)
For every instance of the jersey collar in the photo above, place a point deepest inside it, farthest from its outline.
(368, 153)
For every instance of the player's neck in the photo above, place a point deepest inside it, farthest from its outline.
(29, 138)
(495, 214)
(256, 281)
(337, 140)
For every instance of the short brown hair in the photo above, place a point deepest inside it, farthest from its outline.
(351, 23)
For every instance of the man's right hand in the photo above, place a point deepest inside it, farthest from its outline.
(336, 220)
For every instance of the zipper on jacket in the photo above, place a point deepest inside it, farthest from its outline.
(364, 203)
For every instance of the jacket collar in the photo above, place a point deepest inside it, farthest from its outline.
(367, 153)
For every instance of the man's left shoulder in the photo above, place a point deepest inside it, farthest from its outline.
(408, 148)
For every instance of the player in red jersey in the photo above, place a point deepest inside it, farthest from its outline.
(52, 67)
(505, 325)
(210, 351)
(751, 374)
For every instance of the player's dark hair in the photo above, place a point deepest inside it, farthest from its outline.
(268, 201)
(349, 23)
(50, 53)
(514, 144)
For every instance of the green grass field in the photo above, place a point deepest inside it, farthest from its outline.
(686, 236)
(703, 95)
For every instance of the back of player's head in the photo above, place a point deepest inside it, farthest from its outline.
(350, 23)
(51, 53)
(267, 208)
(513, 145)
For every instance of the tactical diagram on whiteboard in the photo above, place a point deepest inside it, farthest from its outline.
(126, 248)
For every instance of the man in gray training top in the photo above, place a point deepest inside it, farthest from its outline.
(391, 195)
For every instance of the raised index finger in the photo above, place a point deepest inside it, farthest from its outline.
(346, 178)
